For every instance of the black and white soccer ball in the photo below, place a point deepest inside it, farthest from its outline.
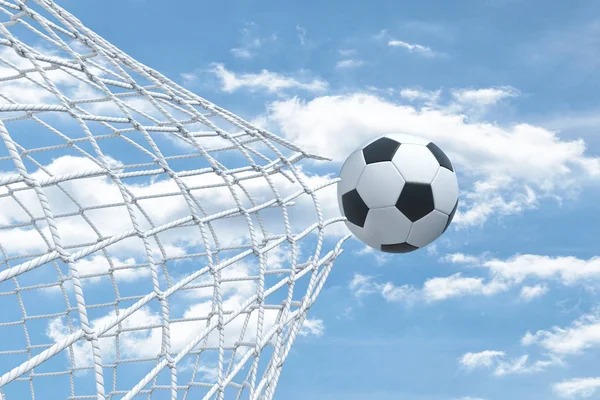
(398, 193)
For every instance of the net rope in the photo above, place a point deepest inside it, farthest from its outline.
(149, 240)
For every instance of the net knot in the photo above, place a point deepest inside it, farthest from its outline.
(136, 125)
(170, 361)
(64, 255)
(89, 333)
(20, 51)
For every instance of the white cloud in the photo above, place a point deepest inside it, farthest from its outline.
(503, 275)
(578, 388)
(312, 327)
(496, 195)
(481, 359)
(415, 94)
(504, 163)
(484, 97)
(271, 82)
(584, 333)
(567, 270)
(425, 51)
(301, 34)
(434, 289)
(521, 365)
(393, 293)
(189, 78)
(502, 366)
(349, 63)
(529, 293)
(413, 48)
(556, 344)
(461, 258)
(362, 285)
(442, 288)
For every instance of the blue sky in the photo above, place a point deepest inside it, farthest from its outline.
(503, 306)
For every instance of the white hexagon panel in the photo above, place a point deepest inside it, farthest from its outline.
(427, 229)
(380, 185)
(387, 225)
(445, 191)
(416, 163)
(364, 236)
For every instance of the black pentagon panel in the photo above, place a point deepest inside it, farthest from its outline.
(355, 208)
(451, 216)
(383, 149)
(398, 248)
(440, 156)
(415, 201)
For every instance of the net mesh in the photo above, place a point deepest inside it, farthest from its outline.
(152, 244)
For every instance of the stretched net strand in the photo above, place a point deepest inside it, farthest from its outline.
(164, 225)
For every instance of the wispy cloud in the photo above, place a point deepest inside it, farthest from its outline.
(412, 47)
(556, 344)
(416, 48)
(484, 358)
(461, 258)
(582, 334)
(349, 63)
(483, 97)
(312, 327)
(416, 94)
(362, 285)
(251, 41)
(529, 293)
(503, 276)
(443, 288)
(271, 82)
(434, 290)
(301, 34)
(578, 388)
(501, 365)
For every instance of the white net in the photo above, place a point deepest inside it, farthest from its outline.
(152, 244)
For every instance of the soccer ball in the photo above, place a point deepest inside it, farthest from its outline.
(398, 193)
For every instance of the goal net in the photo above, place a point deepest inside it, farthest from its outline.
(152, 244)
